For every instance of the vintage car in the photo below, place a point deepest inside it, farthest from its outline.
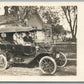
(42, 54)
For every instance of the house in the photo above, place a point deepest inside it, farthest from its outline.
(36, 21)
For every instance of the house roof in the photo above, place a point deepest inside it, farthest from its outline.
(18, 29)
(12, 24)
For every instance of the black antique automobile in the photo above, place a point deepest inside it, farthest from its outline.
(42, 54)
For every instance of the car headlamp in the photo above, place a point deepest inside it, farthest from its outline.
(57, 55)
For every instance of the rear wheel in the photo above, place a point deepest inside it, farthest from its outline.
(47, 65)
(61, 59)
(3, 62)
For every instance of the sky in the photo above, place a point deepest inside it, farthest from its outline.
(1, 10)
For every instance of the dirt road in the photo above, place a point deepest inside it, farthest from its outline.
(69, 69)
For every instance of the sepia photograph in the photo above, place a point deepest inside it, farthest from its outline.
(38, 40)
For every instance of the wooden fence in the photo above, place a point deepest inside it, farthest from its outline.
(67, 47)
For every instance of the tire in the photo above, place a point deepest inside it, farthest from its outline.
(61, 59)
(3, 62)
(47, 65)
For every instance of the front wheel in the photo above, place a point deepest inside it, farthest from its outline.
(3, 62)
(47, 65)
(61, 59)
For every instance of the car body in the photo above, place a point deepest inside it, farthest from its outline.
(39, 53)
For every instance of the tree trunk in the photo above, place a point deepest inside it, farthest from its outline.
(73, 38)
(6, 10)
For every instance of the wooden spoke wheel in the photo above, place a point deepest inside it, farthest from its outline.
(3, 62)
(61, 59)
(47, 65)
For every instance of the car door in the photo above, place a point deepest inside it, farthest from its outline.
(29, 50)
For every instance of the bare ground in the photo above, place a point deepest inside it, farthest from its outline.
(68, 70)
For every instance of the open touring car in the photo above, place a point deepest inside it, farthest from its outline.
(26, 51)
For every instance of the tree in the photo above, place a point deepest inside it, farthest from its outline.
(6, 10)
(25, 13)
(70, 13)
(49, 15)
(58, 29)
(14, 10)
